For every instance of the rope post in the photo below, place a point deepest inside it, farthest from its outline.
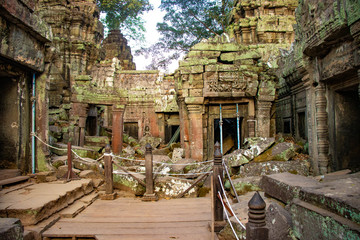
(108, 171)
(256, 227)
(218, 210)
(70, 175)
(108, 165)
(149, 194)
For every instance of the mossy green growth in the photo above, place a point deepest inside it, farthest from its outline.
(41, 160)
(244, 187)
(125, 182)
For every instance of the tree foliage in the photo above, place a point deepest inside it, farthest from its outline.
(125, 15)
(185, 23)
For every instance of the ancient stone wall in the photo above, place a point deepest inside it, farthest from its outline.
(23, 38)
(235, 68)
(263, 21)
(322, 70)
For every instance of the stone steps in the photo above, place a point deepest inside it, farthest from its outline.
(13, 180)
(9, 173)
(68, 212)
(37, 202)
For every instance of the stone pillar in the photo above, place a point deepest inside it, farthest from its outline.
(184, 126)
(78, 112)
(246, 35)
(196, 131)
(322, 130)
(253, 34)
(82, 124)
(310, 122)
(263, 119)
(117, 128)
(251, 118)
(149, 195)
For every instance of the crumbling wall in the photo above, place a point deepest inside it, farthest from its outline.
(320, 73)
(263, 21)
(23, 49)
(235, 68)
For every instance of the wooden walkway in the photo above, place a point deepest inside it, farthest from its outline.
(126, 218)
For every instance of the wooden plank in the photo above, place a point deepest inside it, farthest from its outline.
(155, 237)
(92, 229)
(134, 219)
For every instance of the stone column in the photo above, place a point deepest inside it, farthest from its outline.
(117, 128)
(82, 124)
(263, 118)
(310, 122)
(196, 131)
(78, 112)
(184, 127)
(251, 118)
(253, 34)
(322, 130)
(149, 194)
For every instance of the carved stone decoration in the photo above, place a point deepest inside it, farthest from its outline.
(322, 128)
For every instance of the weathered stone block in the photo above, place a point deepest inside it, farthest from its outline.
(233, 56)
(169, 187)
(278, 221)
(196, 61)
(279, 152)
(229, 76)
(312, 223)
(11, 229)
(334, 197)
(286, 186)
(224, 47)
(196, 92)
(204, 54)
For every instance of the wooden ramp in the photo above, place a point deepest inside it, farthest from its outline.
(126, 219)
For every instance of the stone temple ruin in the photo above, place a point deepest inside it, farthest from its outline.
(280, 91)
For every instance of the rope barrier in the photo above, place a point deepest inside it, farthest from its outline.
(86, 160)
(167, 174)
(227, 216)
(65, 149)
(56, 148)
(163, 163)
(227, 200)
(181, 174)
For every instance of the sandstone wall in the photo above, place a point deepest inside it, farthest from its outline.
(318, 76)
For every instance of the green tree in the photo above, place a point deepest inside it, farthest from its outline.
(185, 23)
(125, 15)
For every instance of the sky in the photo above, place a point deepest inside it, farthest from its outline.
(151, 36)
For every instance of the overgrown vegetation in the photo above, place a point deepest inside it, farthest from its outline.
(185, 23)
(125, 15)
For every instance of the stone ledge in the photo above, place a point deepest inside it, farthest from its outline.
(312, 223)
(285, 186)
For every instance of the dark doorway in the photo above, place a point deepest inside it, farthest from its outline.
(132, 129)
(170, 132)
(91, 121)
(230, 141)
(347, 129)
(301, 125)
(10, 126)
